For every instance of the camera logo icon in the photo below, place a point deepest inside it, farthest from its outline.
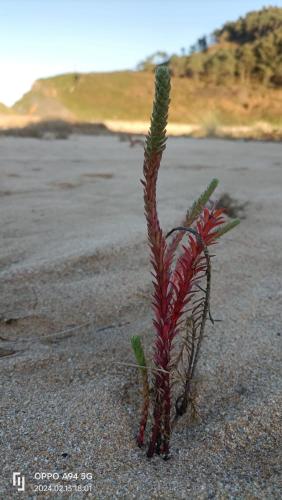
(19, 481)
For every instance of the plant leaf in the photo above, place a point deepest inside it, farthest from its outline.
(227, 227)
(200, 203)
(138, 351)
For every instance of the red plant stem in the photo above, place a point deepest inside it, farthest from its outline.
(142, 427)
(156, 431)
(167, 411)
(145, 409)
(161, 260)
(171, 294)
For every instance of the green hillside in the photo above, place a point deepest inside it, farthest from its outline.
(93, 96)
(235, 79)
(128, 96)
(247, 50)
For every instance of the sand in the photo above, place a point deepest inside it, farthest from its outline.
(75, 286)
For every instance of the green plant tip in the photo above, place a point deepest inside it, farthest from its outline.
(200, 203)
(156, 138)
(138, 351)
(227, 227)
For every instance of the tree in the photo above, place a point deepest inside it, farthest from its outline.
(203, 44)
(152, 61)
(220, 66)
(195, 66)
(266, 54)
(253, 26)
(276, 78)
(246, 62)
(177, 65)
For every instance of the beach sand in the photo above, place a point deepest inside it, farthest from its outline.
(75, 286)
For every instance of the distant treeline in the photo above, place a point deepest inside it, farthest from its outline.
(249, 49)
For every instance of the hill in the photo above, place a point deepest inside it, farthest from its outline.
(128, 96)
(234, 79)
(4, 109)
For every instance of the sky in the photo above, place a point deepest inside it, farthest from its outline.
(40, 38)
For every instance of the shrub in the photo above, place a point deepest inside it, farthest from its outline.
(210, 125)
(180, 297)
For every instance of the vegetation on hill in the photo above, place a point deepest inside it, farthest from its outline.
(249, 49)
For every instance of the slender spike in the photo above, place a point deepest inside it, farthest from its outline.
(156, 138)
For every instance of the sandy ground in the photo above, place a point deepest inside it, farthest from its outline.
(75, 287)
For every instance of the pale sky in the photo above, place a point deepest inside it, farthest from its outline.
(40, 38)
